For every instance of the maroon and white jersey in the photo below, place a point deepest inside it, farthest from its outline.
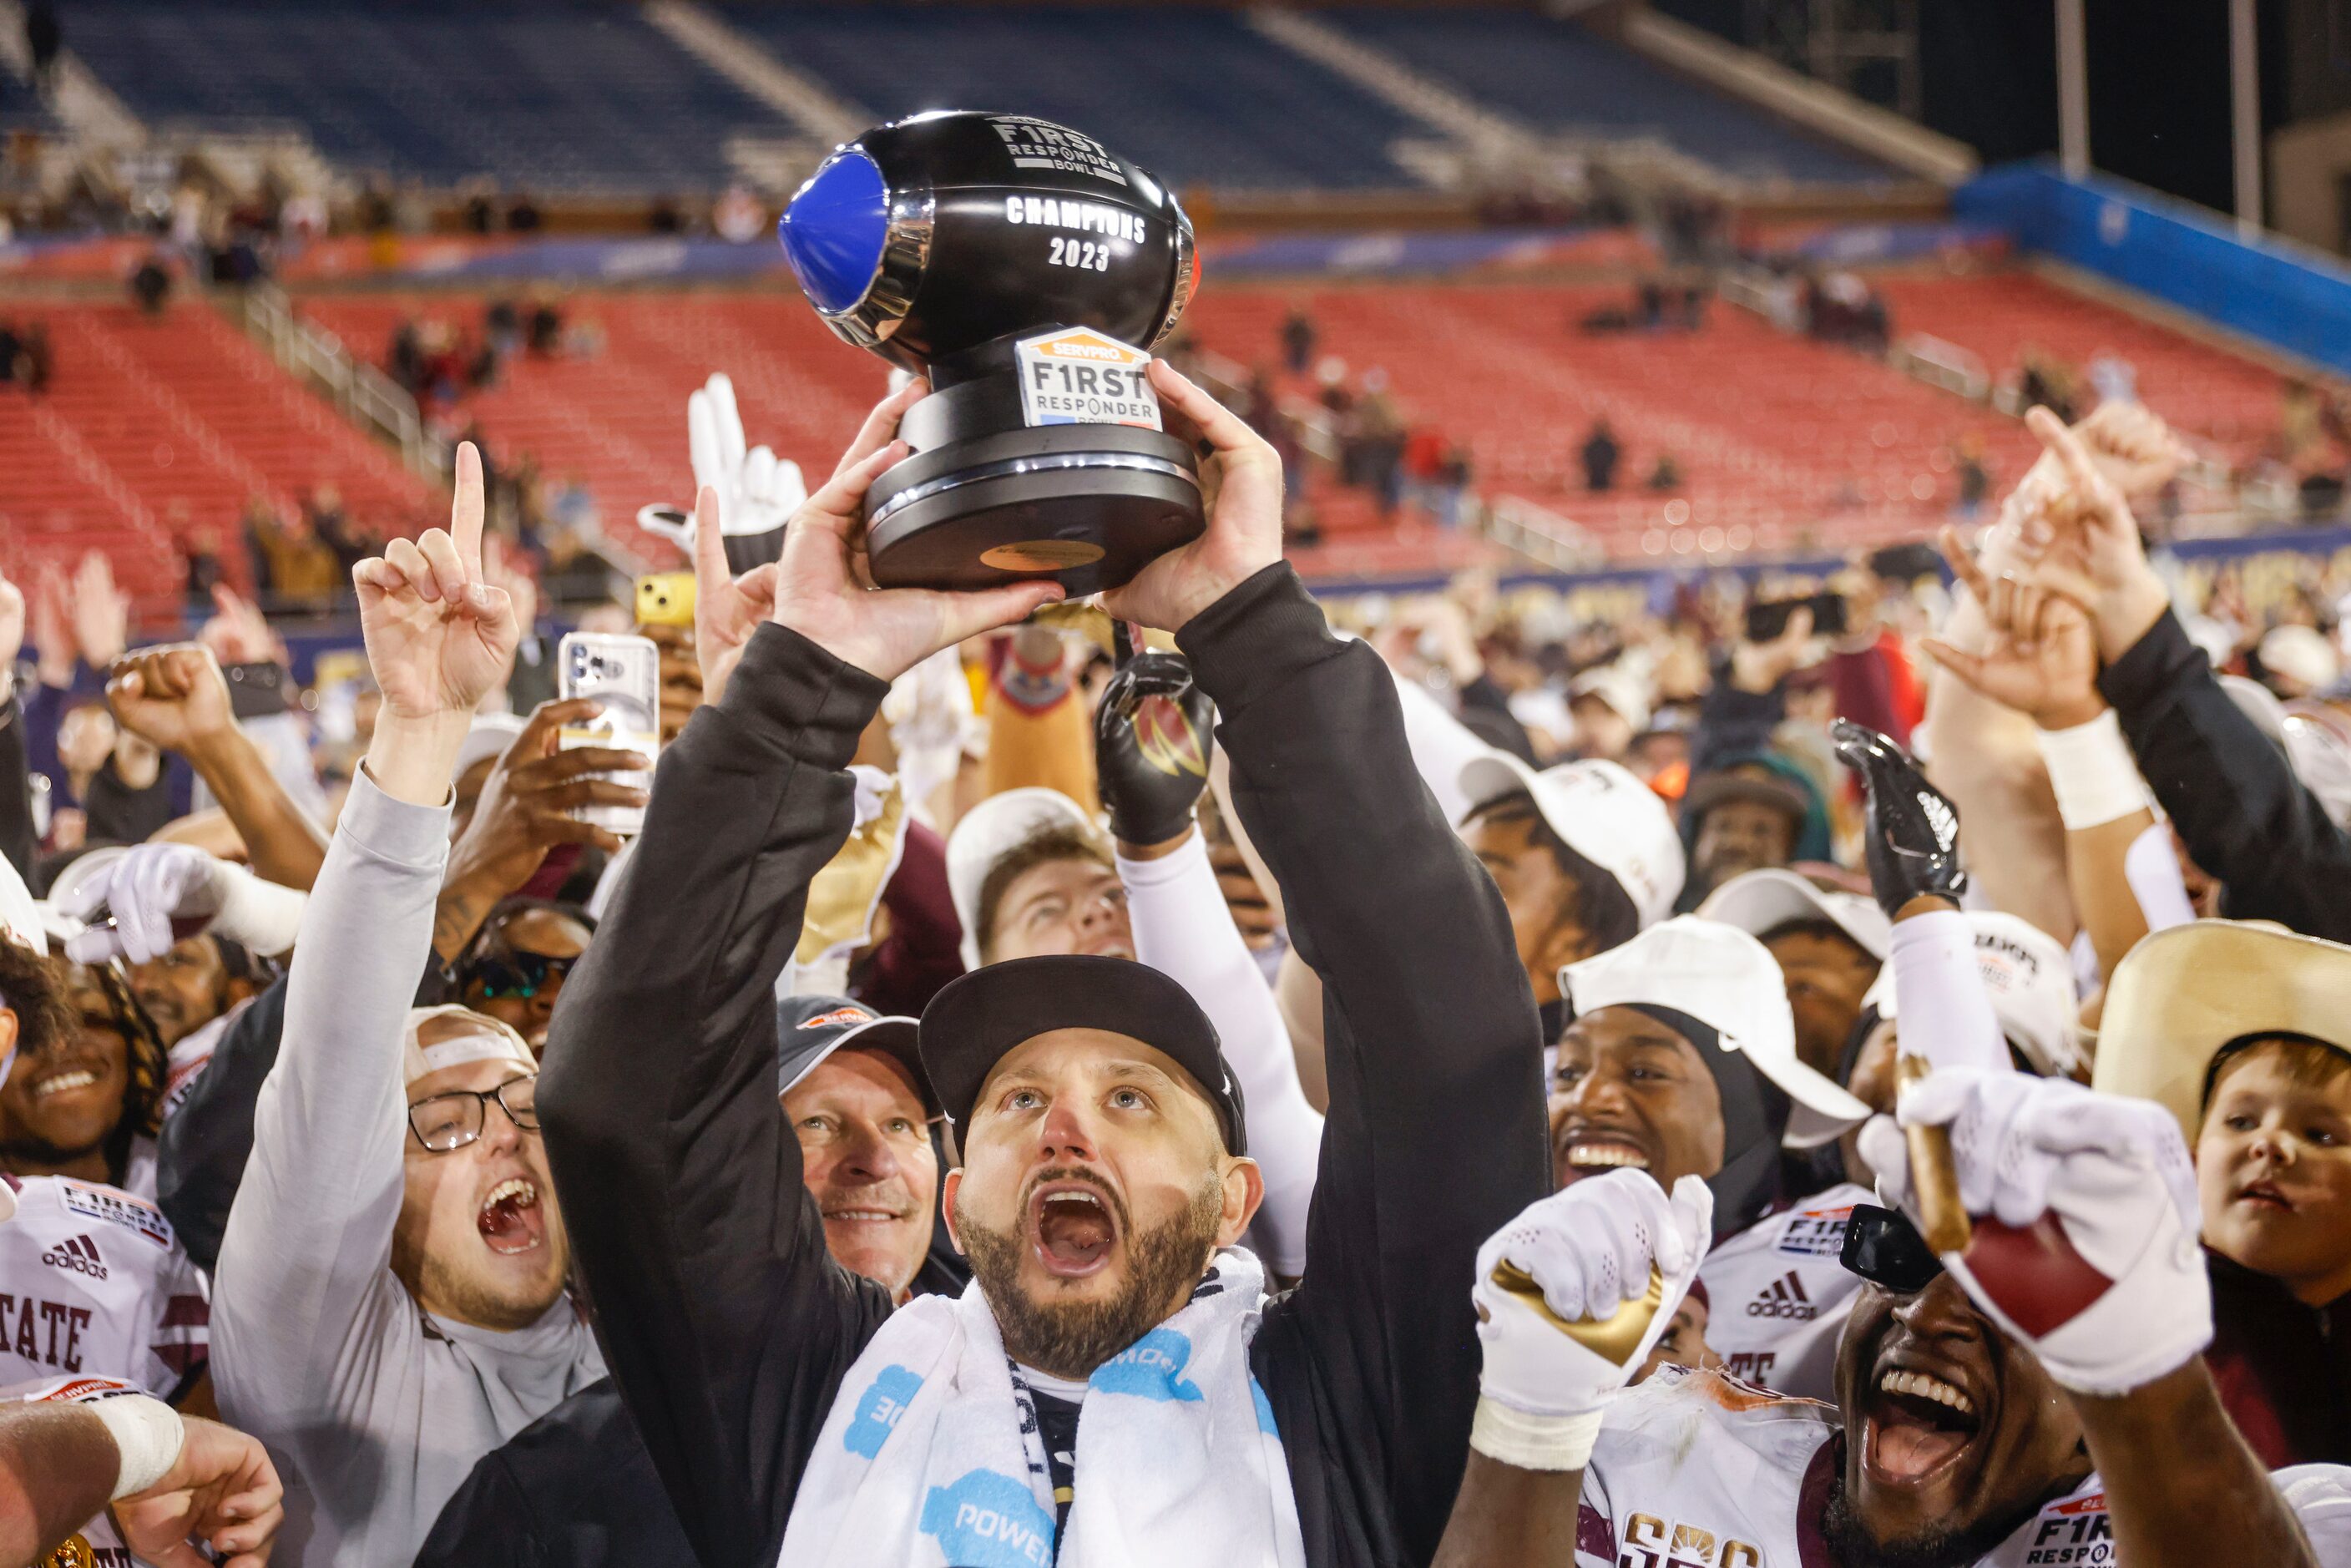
(96, 1543)
(94, 1284)
(1696, 1470)
(1777, 1296)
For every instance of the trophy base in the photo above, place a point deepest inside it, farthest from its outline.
(1087, 504)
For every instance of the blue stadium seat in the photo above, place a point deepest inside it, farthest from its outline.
(1564, 78)
(553, 95)
(1195, 95)
(21, 108)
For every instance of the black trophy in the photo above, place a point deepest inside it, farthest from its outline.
(1026, 270)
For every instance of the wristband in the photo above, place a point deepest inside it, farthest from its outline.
(147, 1435)
(2092, 771)
(1534, 1442)
(1944, 1011)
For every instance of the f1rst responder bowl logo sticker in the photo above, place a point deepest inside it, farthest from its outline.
(1080, 376)
(1041, 554)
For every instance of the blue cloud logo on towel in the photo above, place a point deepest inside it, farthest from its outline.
(988, 1519)
(1150, 1368)
(878, 1409)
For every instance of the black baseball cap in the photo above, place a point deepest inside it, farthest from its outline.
(810, 1028)
(976, 1020)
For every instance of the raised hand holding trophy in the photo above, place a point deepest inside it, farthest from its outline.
(1027, 270)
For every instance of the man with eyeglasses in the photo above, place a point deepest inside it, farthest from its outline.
(514, 969)
(391, 1283)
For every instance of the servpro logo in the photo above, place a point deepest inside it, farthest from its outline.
(1080, 376)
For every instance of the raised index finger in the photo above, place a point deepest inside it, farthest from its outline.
(2068, 447)
(467, 508)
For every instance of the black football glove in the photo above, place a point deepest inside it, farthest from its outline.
(1913, 829)
(1152, 741)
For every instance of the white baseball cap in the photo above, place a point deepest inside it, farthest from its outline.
(2030, 977)
(1599, 810)
(79, 873)
(986, 833)
(488, 734)
(1726, 981)
(2300, 653)
(1618, 687)
(1759, 902)
(472, 1036)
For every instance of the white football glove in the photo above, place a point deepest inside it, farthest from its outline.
(757, 491)
(1590, 1247)
(155, 885)
(2112, 1174)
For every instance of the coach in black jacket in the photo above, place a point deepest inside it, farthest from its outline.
(727, 1327)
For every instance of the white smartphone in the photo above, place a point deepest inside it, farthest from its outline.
(623, 673)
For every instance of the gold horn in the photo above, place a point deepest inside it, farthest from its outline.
(1615, 1337)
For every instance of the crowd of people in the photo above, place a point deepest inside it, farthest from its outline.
(1852, 1076)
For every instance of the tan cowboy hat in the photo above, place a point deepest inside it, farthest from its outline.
(2183, 994)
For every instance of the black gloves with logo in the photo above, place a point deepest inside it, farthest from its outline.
(1151, 746)
(1913, 832)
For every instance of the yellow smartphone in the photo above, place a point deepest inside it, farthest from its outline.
(665, 599)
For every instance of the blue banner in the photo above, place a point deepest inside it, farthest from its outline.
(2296, 299)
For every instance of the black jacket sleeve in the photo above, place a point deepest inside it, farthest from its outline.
(17, 839)
(208, 1135)
(489, 1519)
(2232, 794)
(1435, 1135)
(725, 1323)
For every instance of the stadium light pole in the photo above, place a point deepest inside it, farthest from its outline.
(2072, 91)
(2245, 113)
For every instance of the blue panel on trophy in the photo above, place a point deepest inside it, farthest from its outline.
(833, 231)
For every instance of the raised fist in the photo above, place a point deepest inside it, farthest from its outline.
(2084, 1247)
(1912, 839)
(1573, 1293)
(1151, 747)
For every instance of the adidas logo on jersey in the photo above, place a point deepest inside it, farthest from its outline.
(79, 1253)
(1784, 1299)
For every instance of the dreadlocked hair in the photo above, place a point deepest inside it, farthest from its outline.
(142, 1098)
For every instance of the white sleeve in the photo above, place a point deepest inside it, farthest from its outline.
(2320, 1495)
(1441, 746)
(1183, 929)
(305, 1259)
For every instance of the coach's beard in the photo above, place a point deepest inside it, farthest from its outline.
(1070, 1339)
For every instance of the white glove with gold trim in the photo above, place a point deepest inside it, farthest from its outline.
(1572, 1296)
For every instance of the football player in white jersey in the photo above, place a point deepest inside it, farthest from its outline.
(85, 1098)
(2038, 1400)
(1680, 1060)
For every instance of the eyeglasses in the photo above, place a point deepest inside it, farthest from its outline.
(451, 1121)
(522, 974)
(1885, 1249)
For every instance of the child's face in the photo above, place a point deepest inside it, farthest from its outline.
(2273, 1169)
